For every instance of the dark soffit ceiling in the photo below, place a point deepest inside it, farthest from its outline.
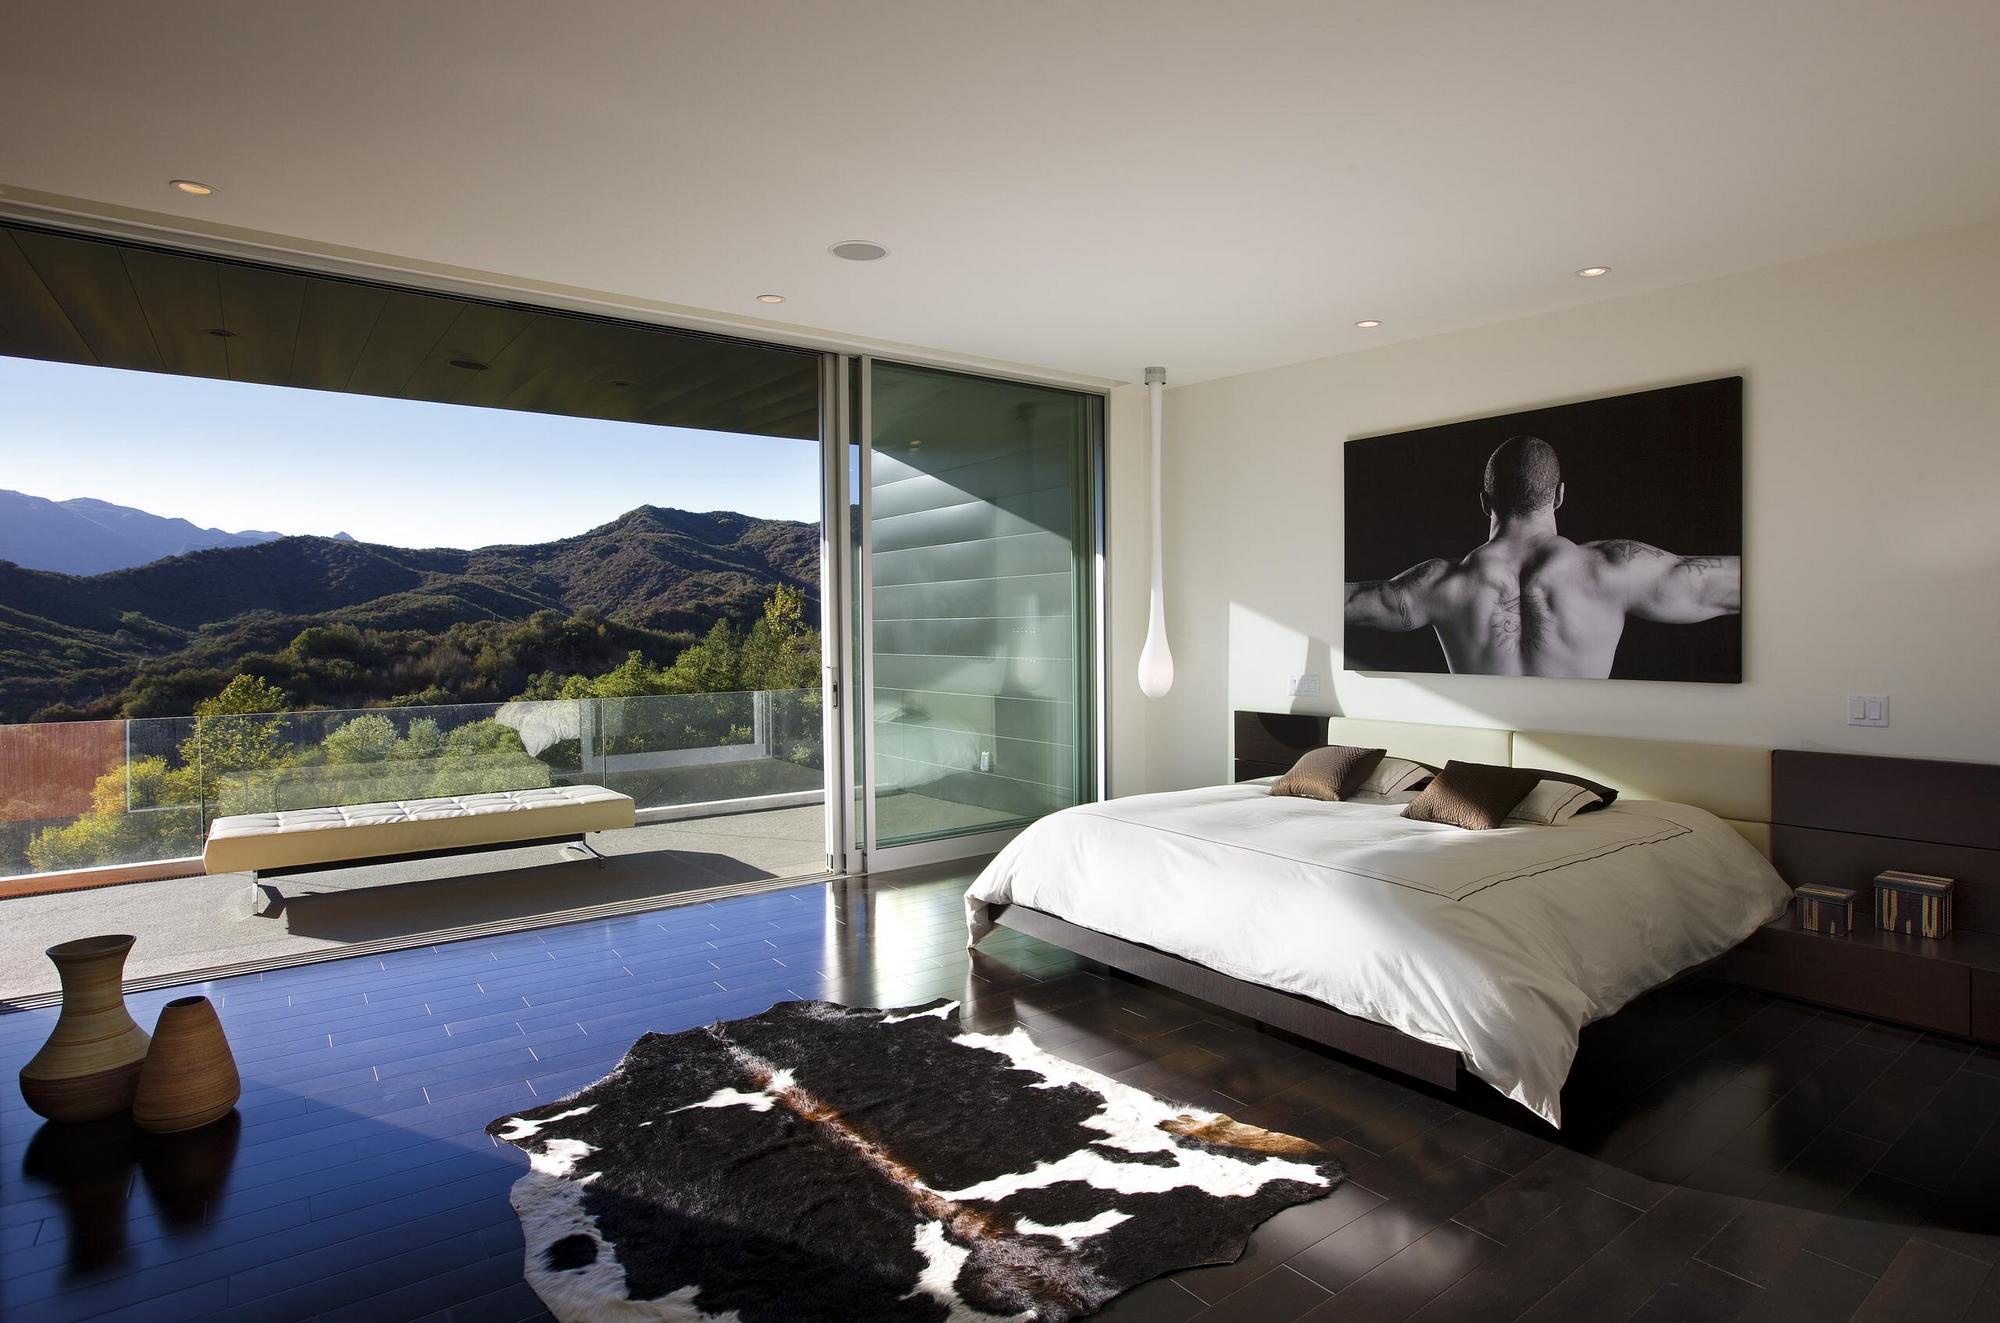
(75, 300)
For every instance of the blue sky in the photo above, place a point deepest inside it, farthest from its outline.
(231, 455)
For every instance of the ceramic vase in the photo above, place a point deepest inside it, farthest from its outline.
(189, 1078)
(89, 1068)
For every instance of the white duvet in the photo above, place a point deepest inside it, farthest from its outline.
(1499, 944)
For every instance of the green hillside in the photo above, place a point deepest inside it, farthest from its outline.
(336, 623)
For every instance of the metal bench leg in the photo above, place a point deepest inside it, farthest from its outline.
(266, 900)
(584, 845)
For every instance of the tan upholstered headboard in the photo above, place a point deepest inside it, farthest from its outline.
(1731, 781)
(1424, 744)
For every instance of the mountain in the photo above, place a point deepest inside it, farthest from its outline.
(91, 641)
(87, 536)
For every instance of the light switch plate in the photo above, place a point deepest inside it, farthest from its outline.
(1304, 686)
(1868, 709)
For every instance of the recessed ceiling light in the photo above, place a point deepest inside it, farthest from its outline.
(192, 187)
(469, 364)
(859, 250)
(1590, 271)
(1368, 325)
(219, 333)
(770, 298)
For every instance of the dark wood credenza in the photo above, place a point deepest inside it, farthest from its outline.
(1843, 818)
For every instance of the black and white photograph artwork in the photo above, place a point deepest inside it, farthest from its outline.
(1600, 540)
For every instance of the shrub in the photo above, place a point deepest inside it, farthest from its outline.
(364, 739)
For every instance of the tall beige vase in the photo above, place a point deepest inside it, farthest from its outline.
(89, 1068)
(189, 1078)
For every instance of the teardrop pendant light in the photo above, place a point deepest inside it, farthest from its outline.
(1156, 659)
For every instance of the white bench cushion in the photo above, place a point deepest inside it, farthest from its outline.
(252, 842)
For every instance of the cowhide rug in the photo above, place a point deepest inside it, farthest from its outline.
(819, 1163)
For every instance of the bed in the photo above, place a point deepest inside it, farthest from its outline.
(1421, 947)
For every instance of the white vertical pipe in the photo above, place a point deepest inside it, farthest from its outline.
(1156, 659)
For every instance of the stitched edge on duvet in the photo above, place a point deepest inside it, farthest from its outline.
(1470, 886)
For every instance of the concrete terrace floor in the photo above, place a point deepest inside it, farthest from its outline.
(195, 923)
(202, 922)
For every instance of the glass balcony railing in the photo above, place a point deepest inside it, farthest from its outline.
(104, 793)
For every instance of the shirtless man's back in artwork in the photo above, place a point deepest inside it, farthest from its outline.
(1529, 601)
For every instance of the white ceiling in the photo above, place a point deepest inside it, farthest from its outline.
(1089, 187)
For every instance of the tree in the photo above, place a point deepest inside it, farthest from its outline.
(422, 739)
(631, 678)
(365, 760)
(542, 686)
(147, 809)
(712, 666)
(245, 753)
(244, 694)
(236, 733)
(485, 756)
(783, 651)
(336, 640)
(140, 810)
(368, 738)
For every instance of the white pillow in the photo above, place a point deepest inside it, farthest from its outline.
(1395, 774)
(1364, 797)
(1552, 803)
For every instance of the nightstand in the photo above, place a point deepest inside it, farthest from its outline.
(1951, 985)
(1841, 819)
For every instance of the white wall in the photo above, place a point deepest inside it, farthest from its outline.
(1872, 512)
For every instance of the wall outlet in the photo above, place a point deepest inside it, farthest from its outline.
(1868, 709)
(1304, 686)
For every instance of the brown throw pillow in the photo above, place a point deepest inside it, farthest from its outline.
(1333, 772)
(1475, 796)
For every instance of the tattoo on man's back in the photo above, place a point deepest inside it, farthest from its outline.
(1626, 550)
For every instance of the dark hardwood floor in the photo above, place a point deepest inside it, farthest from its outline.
(1727, 1154)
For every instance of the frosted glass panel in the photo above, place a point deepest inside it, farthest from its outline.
(980, 508)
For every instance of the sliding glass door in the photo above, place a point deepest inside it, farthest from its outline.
(275, 540)
(974, 574)
(802, 608)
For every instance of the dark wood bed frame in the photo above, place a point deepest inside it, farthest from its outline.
(1280, 1010)
(1267, 743)
(1839, 817)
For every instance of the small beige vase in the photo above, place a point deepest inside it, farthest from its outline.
(89, 1068)
(189, 1078)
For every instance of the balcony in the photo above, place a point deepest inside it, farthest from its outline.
(101, 823)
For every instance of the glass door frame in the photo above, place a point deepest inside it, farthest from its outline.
(840, 689)
(847, 627)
